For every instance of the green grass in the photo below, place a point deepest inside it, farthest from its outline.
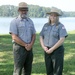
(6, 56)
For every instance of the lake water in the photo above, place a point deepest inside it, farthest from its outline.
(68, 22)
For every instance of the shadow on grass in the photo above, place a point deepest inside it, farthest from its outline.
(6, 69)
(39, 68)
(5, 43)
(6, 65)
(69, 68)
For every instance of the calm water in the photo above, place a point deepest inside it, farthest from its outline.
(68, 22)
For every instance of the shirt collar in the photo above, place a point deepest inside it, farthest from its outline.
(55, 24)
(19, 17)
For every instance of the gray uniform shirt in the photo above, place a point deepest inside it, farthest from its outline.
(52, 33)
(23, 28)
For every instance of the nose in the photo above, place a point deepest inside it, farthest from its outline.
(24, 12)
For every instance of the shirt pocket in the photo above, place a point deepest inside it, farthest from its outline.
(55, 33)
(45, 31)
(30, 30)
(21, 29)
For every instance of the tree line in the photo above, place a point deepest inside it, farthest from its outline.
(34, 11)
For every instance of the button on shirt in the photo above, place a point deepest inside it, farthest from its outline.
(23, 28)
(52, 33)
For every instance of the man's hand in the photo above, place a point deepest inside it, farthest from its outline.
(28, 47)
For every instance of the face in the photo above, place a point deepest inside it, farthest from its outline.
(53, 17)
(23, 13)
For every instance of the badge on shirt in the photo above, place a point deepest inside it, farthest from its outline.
(63, 27)
(45, 28)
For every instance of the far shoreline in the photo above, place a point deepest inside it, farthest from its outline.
(72, 31)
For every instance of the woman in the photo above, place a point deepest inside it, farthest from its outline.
(52, 37)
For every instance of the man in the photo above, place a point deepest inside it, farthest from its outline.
(23, 36)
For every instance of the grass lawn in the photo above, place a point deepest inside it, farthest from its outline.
(6, 56)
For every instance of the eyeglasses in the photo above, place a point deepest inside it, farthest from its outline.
(23, 9)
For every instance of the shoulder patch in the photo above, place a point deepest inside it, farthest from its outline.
(63, 27)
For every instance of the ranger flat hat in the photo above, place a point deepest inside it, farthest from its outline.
(23, 6)
(55, 10)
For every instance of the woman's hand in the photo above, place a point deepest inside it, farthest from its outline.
(45, 48)
(49, 51)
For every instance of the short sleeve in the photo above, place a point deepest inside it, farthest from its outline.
(33, 28)
(42, 32)
(62, 31)
(13, 27)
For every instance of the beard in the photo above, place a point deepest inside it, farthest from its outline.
(23, 16)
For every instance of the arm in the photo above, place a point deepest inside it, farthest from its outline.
(29, 46)
(59, 43)
(42, 44)
(33, 39)
(18, 40)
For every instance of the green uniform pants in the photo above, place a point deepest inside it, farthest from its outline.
(22, 60)
(54, 61)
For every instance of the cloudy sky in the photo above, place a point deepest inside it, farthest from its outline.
(64, 5)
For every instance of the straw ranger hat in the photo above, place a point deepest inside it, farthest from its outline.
(55, 10)
(23, 6)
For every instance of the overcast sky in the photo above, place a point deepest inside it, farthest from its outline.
(64, 5)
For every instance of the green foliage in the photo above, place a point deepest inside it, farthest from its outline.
(8, 10)
(38, 68)
(69, 14)
(34, 11)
